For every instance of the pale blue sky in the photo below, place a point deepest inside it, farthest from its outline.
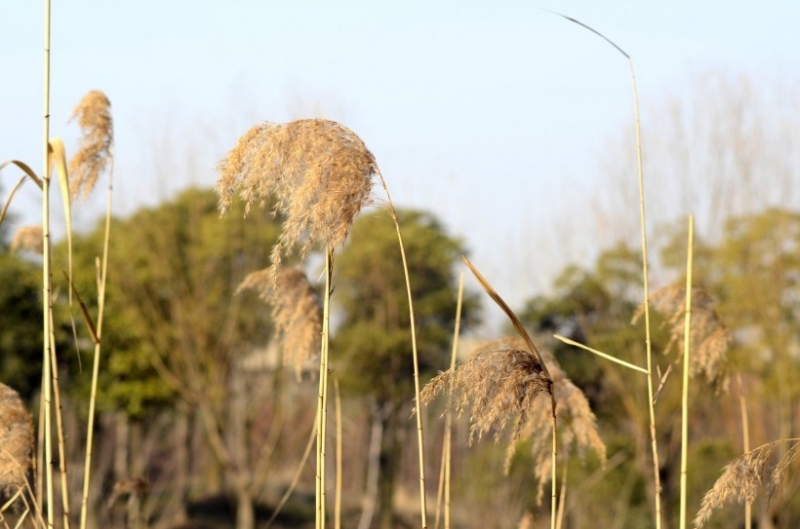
(492, 114)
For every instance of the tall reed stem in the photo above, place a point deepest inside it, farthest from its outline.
(322, 415)
(337, 505)
(448, 431)
(687, 333)
(62, 463)
(47, 300)
(748, 507)
(645, 277)
(101, 299)
(553, 488)
(415, 356)
(645, 284)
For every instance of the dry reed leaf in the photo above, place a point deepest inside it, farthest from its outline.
(743, 477)
(709, 337)
(319, 172)
(16, 440)
(296, 311)
(28, 238)
(498, 385)
(95, 151)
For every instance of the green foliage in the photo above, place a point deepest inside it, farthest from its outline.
(172, 321)
(373, 339)
(20, 323)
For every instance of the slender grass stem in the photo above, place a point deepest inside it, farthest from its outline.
(415, 356)
(448, 433)
(748, 507)
(62, 459)
(645, 277)
(687, 333)
(337, 505)
(101, 299)
(553, 483)
(322, 414)
(47, 300)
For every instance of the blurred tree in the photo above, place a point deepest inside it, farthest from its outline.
(20, 322)
(754, 274)
(372, 345)
(174, 328)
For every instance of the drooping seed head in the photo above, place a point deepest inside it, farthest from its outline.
(577, 426)
(28, 238)
(709, 338)
(94, 154)
(16, 440)
(295, 309)
(497, 384)
(318, 171)
(743, 478)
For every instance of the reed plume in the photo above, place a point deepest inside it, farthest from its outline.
(578, 433)
(28, 238)
(320, 173)
(93, 114)
(743, 477)
(498, 385)
(16, 441)
(709, 338)
(296, 310)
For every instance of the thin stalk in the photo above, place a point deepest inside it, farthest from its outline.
(687, 333)
(337, 505)
(296, 478)
(600, 354)
(448, 432)
(46, 274)
(62, 463)
(562, 500)
(645, 284)
(40, 448)
(645, 276)
(415, 356)
(322, 407)
(101, 299)
(440, 487)
(748, 507)
(553, 488)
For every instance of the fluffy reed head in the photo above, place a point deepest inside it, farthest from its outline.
(498, 385)
(296, 311)
(320, 173)
(577, 424)
(16, 440)
(94, 154)
(743, 477)
(28, 238)
(709, 338)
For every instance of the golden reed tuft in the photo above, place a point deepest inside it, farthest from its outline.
(95, 152)
(501, 380)
(577, 433)
(320, 173)
(16, 440)
(296, 311)
(742, 478)
(498, 385)
(28, 238)
(709, 337)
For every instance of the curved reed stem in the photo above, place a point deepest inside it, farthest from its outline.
(420, 433)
